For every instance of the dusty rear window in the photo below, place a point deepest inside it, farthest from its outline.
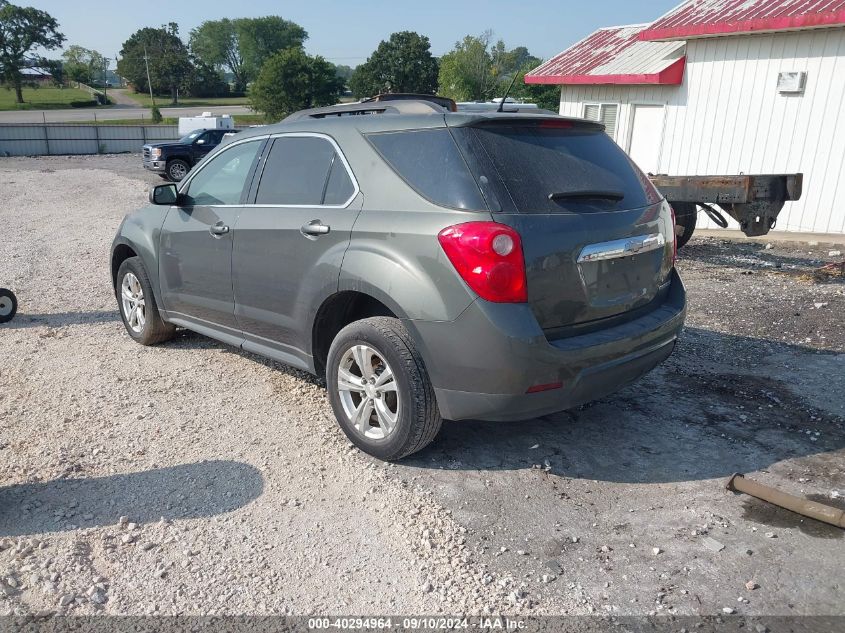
(556, 168)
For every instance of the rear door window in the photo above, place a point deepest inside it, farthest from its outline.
(430, 162)
(304, 171)
(558, 167)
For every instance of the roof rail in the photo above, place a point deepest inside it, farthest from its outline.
(382, 107)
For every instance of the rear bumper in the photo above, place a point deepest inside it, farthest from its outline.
(482, 364)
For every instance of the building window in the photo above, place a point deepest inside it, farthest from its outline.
(605, 113)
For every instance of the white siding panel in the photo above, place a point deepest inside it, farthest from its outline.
(728, 117)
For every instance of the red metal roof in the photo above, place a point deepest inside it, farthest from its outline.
(614, 55)
(703, 18)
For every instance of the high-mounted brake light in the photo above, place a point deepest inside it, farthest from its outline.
(488, 257)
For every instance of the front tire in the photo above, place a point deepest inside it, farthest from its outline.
(8, 305)
(137, 304)
(177, 169)
(379, 389)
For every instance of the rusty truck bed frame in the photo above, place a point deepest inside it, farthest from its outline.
(754, 201)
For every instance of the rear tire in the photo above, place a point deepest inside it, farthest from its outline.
(686, 216)
(8, 305)
(137, 305)
(387, 408)
(177, 169)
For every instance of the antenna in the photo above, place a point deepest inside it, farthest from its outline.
(501, 107)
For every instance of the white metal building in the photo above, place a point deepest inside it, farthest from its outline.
(723, 87)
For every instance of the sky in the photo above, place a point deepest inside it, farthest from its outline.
(347, 32)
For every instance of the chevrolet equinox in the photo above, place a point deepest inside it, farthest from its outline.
(430, 264)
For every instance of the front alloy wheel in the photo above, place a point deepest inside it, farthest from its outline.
(132, 301)
(367, 389)
(137, 304)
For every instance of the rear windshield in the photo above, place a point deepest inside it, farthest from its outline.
(550, 169)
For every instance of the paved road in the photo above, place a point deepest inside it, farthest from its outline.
(115, 112)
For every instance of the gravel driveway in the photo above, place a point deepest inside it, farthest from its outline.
(194, 478)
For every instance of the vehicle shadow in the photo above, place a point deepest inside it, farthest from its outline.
(58, 319)
(186, 491)
(714, 408)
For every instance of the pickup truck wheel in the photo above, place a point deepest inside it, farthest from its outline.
(379, 389)
(138, 305)
(177, 169)
(686, 216)
(8, 305)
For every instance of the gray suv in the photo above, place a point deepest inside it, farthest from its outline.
(430, 264)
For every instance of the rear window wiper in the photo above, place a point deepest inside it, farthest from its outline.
(588, 194)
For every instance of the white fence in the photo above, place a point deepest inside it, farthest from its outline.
(47, 139)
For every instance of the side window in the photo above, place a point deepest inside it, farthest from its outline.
(303, 170)
(339, 188)
(222, 179)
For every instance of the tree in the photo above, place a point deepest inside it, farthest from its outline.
(476, 70)
(466, 72)
(205, 81)
(403, 63)
(261, 38)
(169, 61)
(217, 44)
(21, 30)
(344, 72)
(291, 80)
(242, 46)
(83, 64)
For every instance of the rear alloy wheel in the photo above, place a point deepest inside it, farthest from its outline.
(177, 169)
(368, 393)
(8, 305)
(379, 389)
(138, 305)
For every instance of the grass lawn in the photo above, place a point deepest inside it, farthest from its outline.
(194, 102)
(42, 98)
(241, 120)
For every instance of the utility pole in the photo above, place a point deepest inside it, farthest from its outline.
(149, 82)
(106, 61)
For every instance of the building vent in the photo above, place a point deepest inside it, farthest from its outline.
(791, 82)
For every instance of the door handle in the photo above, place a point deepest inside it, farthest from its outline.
(218, 230)
(315, 228)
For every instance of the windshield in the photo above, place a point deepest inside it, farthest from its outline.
(190, 137)
(556, 167)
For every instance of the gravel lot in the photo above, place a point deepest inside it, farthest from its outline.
(193, 478)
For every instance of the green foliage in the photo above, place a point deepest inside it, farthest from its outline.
(241, 46)
(261, 38)
(291, 80)
(477, 70)
(466, 72)
(217, 44)
(155, 114)
(83, 64)
(205, 81)
(403, 63)
(170, 63)
(23, 29)
(344, 72)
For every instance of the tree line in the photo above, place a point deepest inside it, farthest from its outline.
(265, 59)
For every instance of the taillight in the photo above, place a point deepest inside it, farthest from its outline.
(488, 256)
(674, 237)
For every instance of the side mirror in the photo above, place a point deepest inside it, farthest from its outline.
(200, 141)
(164, 194)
